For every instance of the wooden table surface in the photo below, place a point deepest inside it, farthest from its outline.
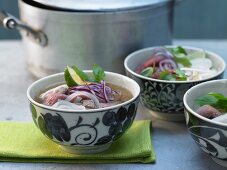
(174, 148)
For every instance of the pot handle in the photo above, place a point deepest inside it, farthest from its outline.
(10, 22)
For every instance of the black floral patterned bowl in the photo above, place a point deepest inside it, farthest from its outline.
(87, 131)
(209, 135)
(163, 98)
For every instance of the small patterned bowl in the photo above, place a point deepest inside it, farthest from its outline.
(88, 131)
(164, 98)
(209, 135)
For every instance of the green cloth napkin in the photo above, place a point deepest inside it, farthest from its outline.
(23, 142)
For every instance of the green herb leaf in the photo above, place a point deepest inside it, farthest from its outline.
(182, 59)
(178, 50)
(180, 56)
(166, 75)
(147, 72)
(221, 105)
(206, 99)
(218, 96)
(98, 73)
(173, 75)
(82, 74)
(216, 100)
(180, 75)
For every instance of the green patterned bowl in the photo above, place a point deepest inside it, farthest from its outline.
(164, 98)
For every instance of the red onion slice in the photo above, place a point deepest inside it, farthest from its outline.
(161, 51)
(157, 55)
(100, 90)
(104, 91)
(167, 64)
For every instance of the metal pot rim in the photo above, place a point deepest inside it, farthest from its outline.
(101, 6)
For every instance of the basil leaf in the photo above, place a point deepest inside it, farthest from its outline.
(178, 50)
(182, 59)
(221, 104)
(166, 75)
(180, 56)
(147, 72)
(221, 101)
(82, 74)
(98, 73)
(169, 77)
(218, 96)
(163, 74)
(206, 99)
(216, 100)
(180, 75)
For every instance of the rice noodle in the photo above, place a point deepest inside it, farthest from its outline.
(63, 104)
(198, 74)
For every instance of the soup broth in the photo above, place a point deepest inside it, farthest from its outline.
(73, 98)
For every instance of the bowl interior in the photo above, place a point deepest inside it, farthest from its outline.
(217, 86)
(137, 58)
(51, 81)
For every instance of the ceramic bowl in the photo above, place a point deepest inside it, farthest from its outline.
(164, 99)
(209, 135)
(88, 131)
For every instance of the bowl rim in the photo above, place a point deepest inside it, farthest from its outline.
(177, 82)
(194, 112)
(29, 89)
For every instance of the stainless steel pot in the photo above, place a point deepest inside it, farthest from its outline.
(87, 32)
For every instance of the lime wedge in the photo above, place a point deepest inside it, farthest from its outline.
(196, 54)
(72, 78)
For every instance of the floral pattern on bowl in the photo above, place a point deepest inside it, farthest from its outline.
(84, 132)
(211, 138)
